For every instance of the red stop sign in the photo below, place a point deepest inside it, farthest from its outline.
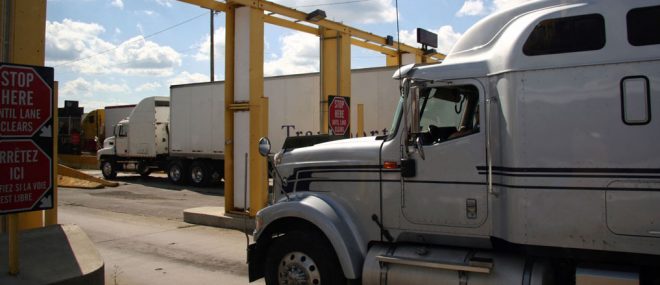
(339, 115)
(25, 101)
(25, 176)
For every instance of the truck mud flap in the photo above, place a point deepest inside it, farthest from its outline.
(255, 263)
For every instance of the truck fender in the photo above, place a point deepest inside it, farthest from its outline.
(330, 218)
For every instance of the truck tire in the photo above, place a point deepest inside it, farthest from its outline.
(143, 170)
(176, 172)
(302, 257)
(108, 169)
(200, 173)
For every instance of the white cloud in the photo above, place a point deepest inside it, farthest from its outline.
(219, 44)
(166, 3)
(447, 37)
(149, 12)
(186, 77)
(300, 54)
(80, 87)
(118, 3)
(149, 86)
(374, 11)
(480, 8)
(78, 46)
(472, 8)
(502, 4)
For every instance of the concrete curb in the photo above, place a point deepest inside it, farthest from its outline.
(216, 217)
(58, 254)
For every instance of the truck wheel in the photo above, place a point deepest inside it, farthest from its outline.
(200, 174)
(109, 169)
(143, 170)
(176, 172)
(302, 257)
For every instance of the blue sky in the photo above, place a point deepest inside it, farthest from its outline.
(114, 52)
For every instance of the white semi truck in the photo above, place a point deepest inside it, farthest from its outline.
(531, 155)
(184, 134)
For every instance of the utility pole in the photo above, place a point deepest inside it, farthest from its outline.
(211, 48)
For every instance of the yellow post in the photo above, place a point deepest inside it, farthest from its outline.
(244, 93)
(258, 114)
(392, 60)
(360, 120)
(51, 215)
(27, 37)
(13, 221)
(335, 69)
(229, 100)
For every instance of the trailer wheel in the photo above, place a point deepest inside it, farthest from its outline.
(143, 170)
(200, 173)
(302, 257)
(176, 172)
(109, 169)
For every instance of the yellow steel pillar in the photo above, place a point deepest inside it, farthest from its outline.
(24, 37)
(229, 100)
(248, 184)
(360, 120)
(335, 69)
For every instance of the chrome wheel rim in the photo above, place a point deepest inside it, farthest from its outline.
(298, 268)
(107, 168)
(175, 173)
(197, 174)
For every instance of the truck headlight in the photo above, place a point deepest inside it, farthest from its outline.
(277, 159)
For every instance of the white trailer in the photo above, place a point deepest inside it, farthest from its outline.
(114, 114)
(195, 128)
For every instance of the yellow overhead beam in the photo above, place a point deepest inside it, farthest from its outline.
(360, 38)
(208, 4)
(291, 25)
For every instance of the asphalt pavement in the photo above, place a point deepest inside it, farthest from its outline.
(138, 228)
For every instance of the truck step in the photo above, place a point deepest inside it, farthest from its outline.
(476, 265)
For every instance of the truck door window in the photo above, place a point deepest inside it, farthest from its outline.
(123, 130)
(564, 35)
(448, 113)
(642, 26)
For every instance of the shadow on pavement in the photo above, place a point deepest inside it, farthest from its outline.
(161, 182)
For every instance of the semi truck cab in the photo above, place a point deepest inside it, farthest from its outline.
(529, 156)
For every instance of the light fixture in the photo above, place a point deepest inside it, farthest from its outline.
(389, 40)
(316, 15)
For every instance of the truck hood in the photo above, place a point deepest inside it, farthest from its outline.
(346, 152)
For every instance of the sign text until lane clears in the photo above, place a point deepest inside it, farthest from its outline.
(25, 101)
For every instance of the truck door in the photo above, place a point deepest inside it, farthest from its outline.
(448, 189)
(121, 139)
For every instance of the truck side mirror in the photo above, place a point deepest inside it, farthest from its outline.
(264, 146)
(414, 124)
(408, 167)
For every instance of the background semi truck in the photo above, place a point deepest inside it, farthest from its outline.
(529, 156)
(184, 134)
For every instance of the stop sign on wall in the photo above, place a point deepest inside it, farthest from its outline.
(25, 101)
(26, 138)
(339, 115)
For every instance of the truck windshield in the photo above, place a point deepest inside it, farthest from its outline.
(397, 118)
